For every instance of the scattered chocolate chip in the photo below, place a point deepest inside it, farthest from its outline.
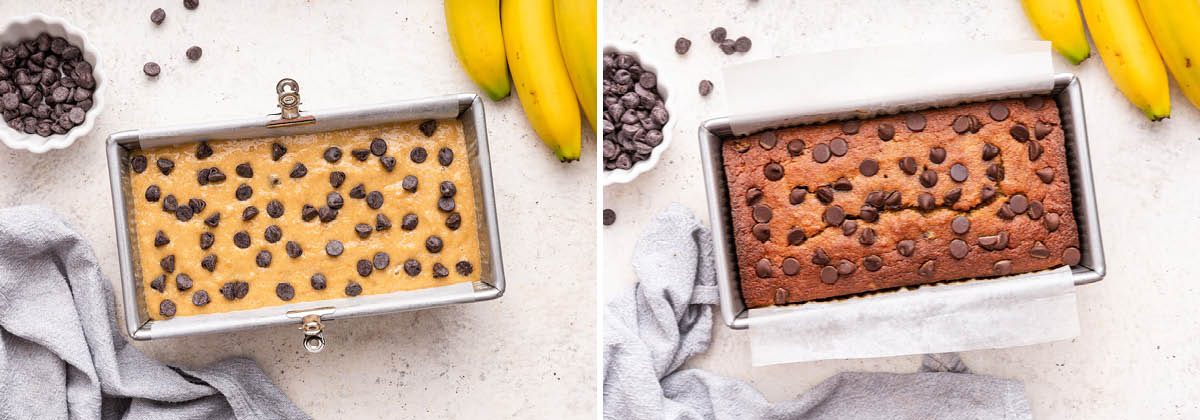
(845, 267)
(821, 153)
(318, 281)
(762, 269)
(906, 247)
(1041, 130)
(381, 260)
(762, 213)
(327, 214)
(158, 15)
(893, 200)
(915, 122)
(447, 189)
(958, 172)
(773, 171)
(428, 127)
(453, 221)
(1045, 174)
(332, 154)
(137, 164)
(1034, 102)
(796, 196)
(682, 45)
(926, 269)
(875, 199)
(165, 166)
(433, 244)
(962, 124)
(244, 170)
(197, 205)
(151, 69)
(987, 193)
(440, 271)
(753, 196)
(298, 171)
(825, 194)
(194, 52)
(767, 140)
(308, 212)
(418, 154)
(263, 259)
(842, 184)
(409, 222)
(790, 267)
(868, 167)
(273, 234)
(952, 197)
(249, 213)
(1036, 209)
(998, 112)
(183, 213)
(1019, 203)
(868, 214)
(829, 275)
(209, 262)
(908, 165)
(336, 178)
(159, 283)
(353, 289)
(388, 163)
(885, 131)
(206, 240)
(849, 227)
(1006, 212)
(742, 44)
(360, 154)
(161, 239)
(363, 230)
(838, 146)
(990, 151)
(334, 248)
(872, 263)
(867, 237)
(241, 240)
(1002, 267)
(926, 201)
(277, 151)
(959, 248)
(960, 225)
(1039, 250)
(820, 257)
(1034, 150)
(378, 147)
(294, 250)
(796, 236)
(727, 46)
(717, 34)
(445, 156)
(412, 267)
(166, 308)
(363, 267)
(191, 4)
(850, 127)
(169, 204)
(285, 291)
(1019, 133)
(795, 147)
(243, 192)
(995, 172)
(834, 215)
(929, 178)
(1071, 256)
(706, 87)
(937, 155)
(375, 201)
(334, 200)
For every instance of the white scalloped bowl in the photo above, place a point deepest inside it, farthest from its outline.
(29, 26)
(621, 176)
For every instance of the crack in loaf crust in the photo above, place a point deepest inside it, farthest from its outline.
(777, 188)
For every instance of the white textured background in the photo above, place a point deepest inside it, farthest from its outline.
(1137, 356)
(530, 354)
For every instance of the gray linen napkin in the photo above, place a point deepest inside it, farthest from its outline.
(653, 328)
(62, 357)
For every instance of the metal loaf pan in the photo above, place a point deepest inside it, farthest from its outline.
(1067, 93)
(467, 108)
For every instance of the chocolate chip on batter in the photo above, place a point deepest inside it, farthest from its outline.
(915, 122)
(137, 164)
(375, 201)
(243, 192)
(153, 193)
(763, 269)
(183, 213)
(249, 213)
(285, 291)
(1019, 203)
(263, 259)
(868, 214)
(428, 127)
(960, 225)
(1071, 256)
(894, 200)
(327, 214)
(454, 220)
(927, 269)
(990, 151)
(868, 167)
(197, 205)
(241, 240)
(381, 260)
(202, 176)
(959, 249)
(464, 268)
(1036, 209)
(334, 248)
(838, 146)
(937, 155)
(958, 172)
(165, 166)
(418, 154)
(987, 193)
(885, 131)
(308, 212)
(1034, 102)
(353, 289)
(336, 178)
(273, 234)
(821, 153)
(842, 184)
(1002, 267)
(359, 191)
(995, 172)
(447, 189)
(773, 171)
(796, 236)
(1045, 174)
(845, 267)
(203, 151)
(299, 171)
(433, 244)
(206, 240)
(334, 200)
(875, 199)
(820, 257)
(929, 178)
(408, 222)
(388, 163)
(962, 124)
(209, 262)
(1039, 250)
(850, 127)
(166, 308)
(825, 194)
(363, 230)
(378, 147)
(1034, 150)
(412, 267)
(1006, 212)
(906, 247)
(360, 154)
(926, 201)
(790, 267)
(998, 112)
(761, 231)
(244, 170)
(753, 196)
(867, 237)
(440, 271)
(849, 227)
(952, 196)
(215, 175)
(318, 281)
(363, 267)
(767, 140)
(908, 165)
(333, 154)
(293, 249)
(989, 242)
(183, 282)
(161, 239)
(762, 213)
(1041, 130)
(1019, 133)
(277, 151)
(795, 197)
(829, 275)
(834, 215)
(795, 147)
(159, 283)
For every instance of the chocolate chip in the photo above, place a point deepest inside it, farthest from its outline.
(169, 204)
(293, 249)
(193, 53)
(363, 230)
(418, 154)
(906, 247)
(1036, 210)
(753, 196)
(1034, 102)
(158, 15)
(318, 281)
(962, 124)
(334, 200)
(249, 213)
(378, 147)
(273, 234)
(953, 196)
(820, 257)
(1051, 221)
(381, 260)
(1034, 149)
(795, 147)
(1002, 267)
(908, 165)
(388, 163)
(705, 88)
(717, 34)
(868, 167)
(363, 267)
(915, 122)
(995, 172)
(727, 46)
(885, 131)
(926, 269)
(447, 189)
(165, 166)
(308, 212)
(821, 153)
(229, 290)
(360, 190)
(334, 248)
(360, 154)
(137, 164)
(850, 127)
(209, 262)
(937, 155)
(872, 263)
(433, 244)
(337, 178)
(333, 154)
(206, 240)
(241, 240)
(327, 214)
(845, 267)
(929, 178)
(990, 151)
(285, 291)
(1046, 174)
(277, 151)
(762, 213)
(834, 215)
(875, 199)
(159, 283)
(762, 269)
(796, 196)
(428, 127)
(375, 201)
(166, 308)
(1041, 130)
(215, 175)
(182, 281)
(773, 171)
(445, 156)
(1039, 250)
(960, 225)
(1019, 203)
(191, 4)
(409, 222)
(263, 259)
(829, 275)
(842, 184)
(849, 227)
(440, 270)
(767, 140)
(197, 205)
(926, 201)
(1006, 212)
(893, 200)
(989, 242)
(243, 192)
(838, 147)
(353, 289)
(1019, 133)
(998, 112)
(796, 236)
(183, 213)
(868, 214)
(825, 194)
(298, 171)
(958, 172)
(987, 193)
(742, 44)
(959, 249)
(412, 267)
(867, 237)
(682, 45)
(1071, 256)
(454, 220)
(244, 170)
(161, 239)
(151, 69)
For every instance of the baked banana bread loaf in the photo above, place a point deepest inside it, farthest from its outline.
(976, 190)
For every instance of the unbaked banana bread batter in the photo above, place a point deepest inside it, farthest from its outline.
(240, 224)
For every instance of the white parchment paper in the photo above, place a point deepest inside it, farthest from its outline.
(980, 314)
(863, 82)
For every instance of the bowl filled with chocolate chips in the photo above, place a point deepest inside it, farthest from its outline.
(50, 85)
(637, 120)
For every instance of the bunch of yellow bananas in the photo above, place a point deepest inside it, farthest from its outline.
(1127, 33)
(549, 47)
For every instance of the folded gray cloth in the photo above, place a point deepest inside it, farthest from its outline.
(62, 357)
(650, 331)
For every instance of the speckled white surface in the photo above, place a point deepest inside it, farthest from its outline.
(530, 354)
(1137, 356)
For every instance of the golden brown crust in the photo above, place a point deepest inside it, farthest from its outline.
(929, 228)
